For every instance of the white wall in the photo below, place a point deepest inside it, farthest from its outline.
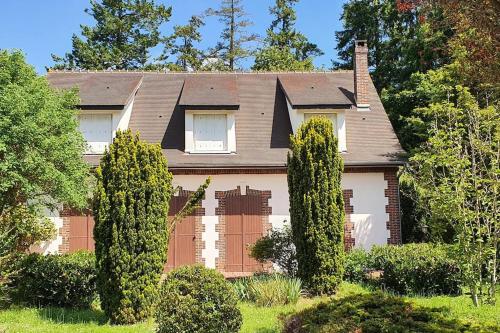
(52, 247)
(369, 203)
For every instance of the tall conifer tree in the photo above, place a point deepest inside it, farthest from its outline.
(131, 233)
(284, 47)
(316, 205)
(234, 36)
(125, 30)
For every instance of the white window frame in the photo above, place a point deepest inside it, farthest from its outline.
(89, 150)
(339, 130)
(189, 131)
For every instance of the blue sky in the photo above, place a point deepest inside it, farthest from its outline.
(40, 28)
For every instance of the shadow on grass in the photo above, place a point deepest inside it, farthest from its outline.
(377, 312)
(72, 316)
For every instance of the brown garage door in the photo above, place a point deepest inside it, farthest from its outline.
(81, 233)
(243, 227)
(181, 248)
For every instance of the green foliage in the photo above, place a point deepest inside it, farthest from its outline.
(131, 229)
(455, 177)
(273, 58)
(182, 45)
(377, 312)
(269, 290)
(317, 205)
(410, 269)
(277, 248)
(424, 269)
(357, 265)
(67, 280)
(41, 150)
(124, 33)
(285, 49)
(197, 299)
(234, 37)
(402, 40)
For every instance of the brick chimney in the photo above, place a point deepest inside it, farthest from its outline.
(361, 75)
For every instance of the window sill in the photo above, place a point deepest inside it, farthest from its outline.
(210, 153)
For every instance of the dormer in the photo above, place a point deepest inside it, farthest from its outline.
(316, 95)
(106, 102)
(210, 103)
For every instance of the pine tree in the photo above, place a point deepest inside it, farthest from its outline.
(284, 47)
(182, 45)
(125, 30)
(131, 233)
(317, 205)
(231, 49)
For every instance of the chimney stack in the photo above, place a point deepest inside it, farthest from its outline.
(361, 75)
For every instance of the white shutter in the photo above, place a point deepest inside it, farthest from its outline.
(210, 132)
(96, 129)
(331, 116)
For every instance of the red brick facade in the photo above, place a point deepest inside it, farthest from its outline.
(393, 208)
(349, 241)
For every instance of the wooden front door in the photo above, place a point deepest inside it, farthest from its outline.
(243, 227)
(81, 233)
(181, 247)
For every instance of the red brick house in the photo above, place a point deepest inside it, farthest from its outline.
(235, 127)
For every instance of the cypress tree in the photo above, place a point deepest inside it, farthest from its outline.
(130, 207)
(317, 205)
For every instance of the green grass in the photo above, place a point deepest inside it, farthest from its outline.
(255, 319)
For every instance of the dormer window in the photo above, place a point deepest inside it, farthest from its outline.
(210, 132)
(97, 131)
(331, 116)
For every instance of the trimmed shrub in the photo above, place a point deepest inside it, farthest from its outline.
(415, 269)
(269, 290)
(196, 299)
(316, 205)
(277, 248)
(131, 229)
(426, 269)
(67, 280)
(357, 265)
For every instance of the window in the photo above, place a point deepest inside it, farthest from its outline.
(97, 131)
(210, 132)
(331, 116)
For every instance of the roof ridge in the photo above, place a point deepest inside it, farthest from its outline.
(122, 71)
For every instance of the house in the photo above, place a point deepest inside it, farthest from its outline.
(235, 127)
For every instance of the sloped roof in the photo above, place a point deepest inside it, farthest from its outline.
(263, 125)
(98, 89)
(315, 89)
(209, 90)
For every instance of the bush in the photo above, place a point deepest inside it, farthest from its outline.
(67, 280)
(423, 269)
(277, 248)
(426, 269)
(357, 264)
(317, 205)
(197, 299)
(377, 312)
(269, 290)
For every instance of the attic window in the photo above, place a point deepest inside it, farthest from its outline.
(331, 116)
(210, 132)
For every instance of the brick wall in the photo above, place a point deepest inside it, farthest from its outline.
(393, 208)
(349, 241)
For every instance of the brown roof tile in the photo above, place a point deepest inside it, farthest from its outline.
(210, 90)
(104, 89)
(262, 123)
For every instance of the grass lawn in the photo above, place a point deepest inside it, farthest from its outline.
(255, 319)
